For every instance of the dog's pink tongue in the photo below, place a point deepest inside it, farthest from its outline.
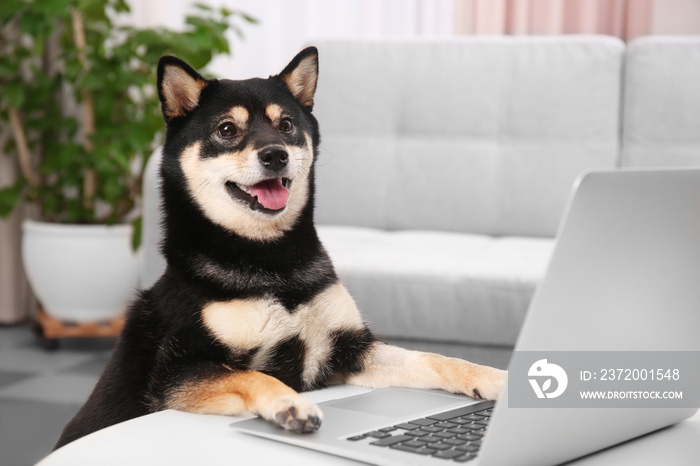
(270, 193)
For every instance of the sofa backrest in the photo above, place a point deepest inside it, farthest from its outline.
(661, 113)
(477, 134)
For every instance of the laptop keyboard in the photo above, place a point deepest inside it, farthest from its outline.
(452, 435)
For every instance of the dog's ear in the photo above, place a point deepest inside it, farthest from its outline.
(179, 87)
(301, 75)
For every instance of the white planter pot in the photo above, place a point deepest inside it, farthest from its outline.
(80, 272)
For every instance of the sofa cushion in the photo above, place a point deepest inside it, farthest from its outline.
(438, 286)
(661, 115)
(479, 135)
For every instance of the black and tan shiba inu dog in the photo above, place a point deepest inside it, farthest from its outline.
(249, 311)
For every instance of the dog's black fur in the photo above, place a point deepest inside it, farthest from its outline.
(164, 341)
(194, 340)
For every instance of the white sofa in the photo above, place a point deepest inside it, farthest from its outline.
(445, 167)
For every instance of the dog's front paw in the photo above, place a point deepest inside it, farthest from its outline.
(295, 413)
(488, 384)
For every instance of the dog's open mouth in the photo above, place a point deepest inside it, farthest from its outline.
(268, 196)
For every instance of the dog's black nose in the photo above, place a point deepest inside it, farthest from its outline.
(273, 157)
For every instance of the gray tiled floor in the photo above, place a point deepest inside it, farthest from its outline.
(40, 391)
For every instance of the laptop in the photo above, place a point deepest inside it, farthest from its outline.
(623, 277)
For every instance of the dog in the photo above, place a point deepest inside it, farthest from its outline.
(249, 311)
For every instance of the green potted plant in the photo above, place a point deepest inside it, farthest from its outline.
(78, 94)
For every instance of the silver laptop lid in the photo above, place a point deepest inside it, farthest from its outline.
(624, 276)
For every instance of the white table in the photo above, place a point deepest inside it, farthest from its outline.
(177, 438)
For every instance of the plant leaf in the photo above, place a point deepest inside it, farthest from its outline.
(137, 223)
(11, 196)
(13, 94)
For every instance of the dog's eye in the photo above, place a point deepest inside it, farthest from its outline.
(286, 125)
(227, 130)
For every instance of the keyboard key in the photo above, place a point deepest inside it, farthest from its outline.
(443, 435)
(473, 426)
(377, 434)
(464, 411)
(464, 459)
(460, 420)
(387, 429)
(448, 454)
(446, 425)
(419, 451)
(431, 438)
(470, 437)
(413, 443)
(423, 422)
(357, 437)
(432, 429)
(458, 430)
(416, 433)
(407, 426)
(389, 441)
(468, 448)
(439, 446)
(425, 439)
(454, 441)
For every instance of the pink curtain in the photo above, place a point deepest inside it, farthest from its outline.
(625, 19)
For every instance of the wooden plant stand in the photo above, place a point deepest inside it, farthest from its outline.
(50, 329)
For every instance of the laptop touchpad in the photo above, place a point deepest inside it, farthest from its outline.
(394, 402)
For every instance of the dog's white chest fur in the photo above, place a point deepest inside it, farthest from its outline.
(245, 324)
